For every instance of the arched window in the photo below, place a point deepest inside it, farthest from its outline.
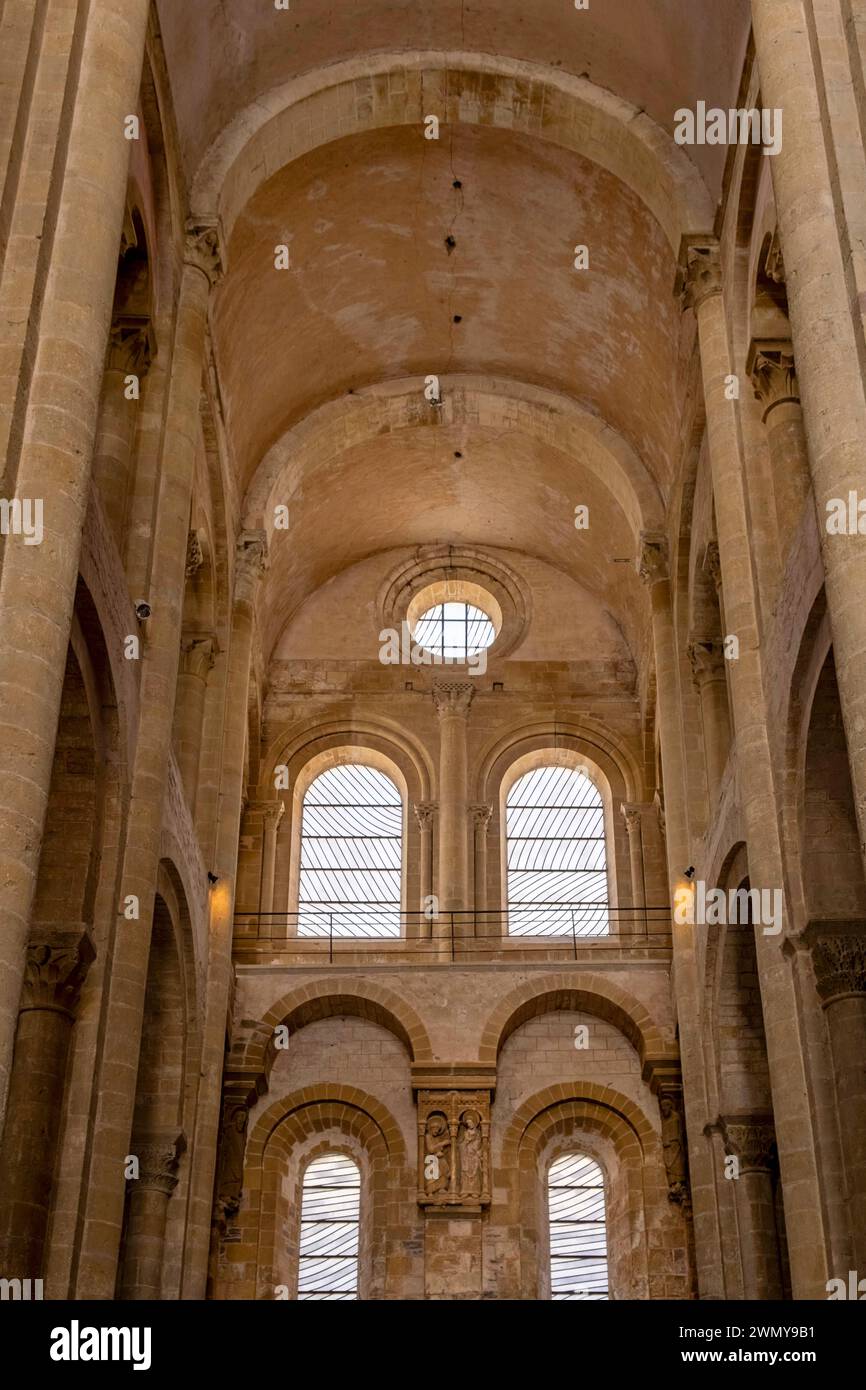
(330, 1228)
(351, 854)
(557, 867)
(578, 1238)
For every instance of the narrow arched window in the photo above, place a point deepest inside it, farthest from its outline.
(330, 1229)
(557, 865)
(351, 854)
(578, 1236)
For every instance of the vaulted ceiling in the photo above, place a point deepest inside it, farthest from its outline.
(411, 257)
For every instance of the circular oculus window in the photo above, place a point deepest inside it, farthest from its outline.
(454, 631)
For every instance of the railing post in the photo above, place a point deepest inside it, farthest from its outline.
(330, 938)
(573, 934)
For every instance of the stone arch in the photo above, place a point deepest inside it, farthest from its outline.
(301, 748)
(833, 876)
(67, 930)
(580, 992)
(319, 999)
(601, 1122)
(165, 1103)
(374, 91)
(501, 403)
(293, 1130)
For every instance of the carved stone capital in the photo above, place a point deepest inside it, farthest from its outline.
(271, 812)
(840, 965)
(652, 560)
(751, 1139)
(707, 660)
(632, 816)
(252, 561)
(481, 814)
(773, 374)
(158, 1156)
(130, 345)
(425, 813)
(700, 272)
(56, 966)
(453, 698)
(197, 656)
(203, 249)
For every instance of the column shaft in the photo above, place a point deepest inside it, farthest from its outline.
(452, 705)
(840, 972)
(37, 587)
(195, 662)
(149, 1194)
(791, 1111)
(654, 572)
(117, 1068)
(272, 817)
(827, 331)
(632, 817)
(251, 561)
(56, 966)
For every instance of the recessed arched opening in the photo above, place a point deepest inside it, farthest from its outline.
(832, 864)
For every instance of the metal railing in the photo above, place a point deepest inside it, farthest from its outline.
(552, 931)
